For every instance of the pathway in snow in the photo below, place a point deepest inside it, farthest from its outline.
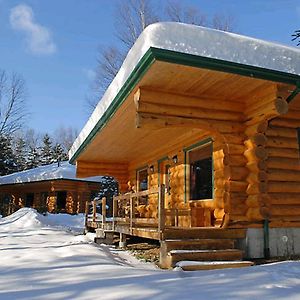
(42, 261)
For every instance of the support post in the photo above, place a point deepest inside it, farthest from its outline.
(161, 211)
(122, 242)
(131, 214)
(114, 212)
(86, 213)
(94, 210)
(103, 211)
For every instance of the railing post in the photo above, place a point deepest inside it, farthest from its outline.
(86, 212)
(131, 213)
(94, 210)
(114, 211)
(103, 211)
(161, 211)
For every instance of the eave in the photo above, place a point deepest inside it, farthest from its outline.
(173, 57)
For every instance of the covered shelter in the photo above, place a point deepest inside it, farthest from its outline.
(52, 188)
(210, 121)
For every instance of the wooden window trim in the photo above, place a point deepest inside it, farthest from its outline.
(203, 143)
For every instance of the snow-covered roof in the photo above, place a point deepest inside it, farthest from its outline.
(49, 172)
(199, 41)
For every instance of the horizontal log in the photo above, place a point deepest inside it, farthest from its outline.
(158, 121)
(239, 210)
(287, 198)
(288, 123)
(235, 186)
(233, 149)
(232, 173)
(186, 111)
(268, 110)
(163, 97)
(284, 175)
(292, 114)
(283, 152)
(102, 165)
(254, 214)
(281, 142)
(281, 132)
(284, 187)
(282, 210)
(283, 163)
(257, 200)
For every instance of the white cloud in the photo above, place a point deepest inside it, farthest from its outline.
(38, 37)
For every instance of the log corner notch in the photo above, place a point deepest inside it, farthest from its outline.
(118, 170)
(258, 114)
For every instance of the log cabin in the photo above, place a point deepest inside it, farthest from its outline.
(52, 188)
(201, 130)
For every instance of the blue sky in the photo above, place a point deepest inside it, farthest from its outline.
(53, 44)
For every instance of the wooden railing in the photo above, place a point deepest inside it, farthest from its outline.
(125, 209)
(92, 216)
(126, 212)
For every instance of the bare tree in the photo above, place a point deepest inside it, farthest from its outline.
(296, 37)
(177, 12)
(133, 16)
(65, 136)
(12, 103)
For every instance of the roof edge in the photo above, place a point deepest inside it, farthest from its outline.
(192, 60)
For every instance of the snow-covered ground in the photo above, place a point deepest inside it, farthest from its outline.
(42, 259)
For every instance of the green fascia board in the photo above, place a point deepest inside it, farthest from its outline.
(156, 54)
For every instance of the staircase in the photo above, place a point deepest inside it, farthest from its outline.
(201, 248)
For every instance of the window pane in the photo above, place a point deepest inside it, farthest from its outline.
(201, 173)
(143, 180)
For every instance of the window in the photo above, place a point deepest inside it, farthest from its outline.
(29, 199)
(142, 179)
(61, 200)
(200, 161)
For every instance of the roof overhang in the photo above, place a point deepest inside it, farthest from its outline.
(155, 55)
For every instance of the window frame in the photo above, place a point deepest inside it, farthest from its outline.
(201, 144)
(145, 168)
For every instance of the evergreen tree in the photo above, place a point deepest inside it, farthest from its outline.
(47, 156)
(59, 154)
(7, 159)
(20, 154)
(33, 158)
(109, 189)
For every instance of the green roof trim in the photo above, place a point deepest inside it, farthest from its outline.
(156, 54)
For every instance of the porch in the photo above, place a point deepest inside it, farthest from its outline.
(172, 227)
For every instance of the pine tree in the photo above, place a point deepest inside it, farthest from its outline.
(20, 154)
(7, 159)
(33, 158)
(59, 154)
(47, 156)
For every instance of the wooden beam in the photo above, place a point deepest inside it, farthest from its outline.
(158, 121)
(182, 108)
(158, 96)
(118, 170)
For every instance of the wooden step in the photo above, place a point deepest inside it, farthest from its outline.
(198, 244)
(212, 265)
(204, 255)
(203, 233)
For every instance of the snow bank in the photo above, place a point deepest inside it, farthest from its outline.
(200, 41)
(49, 172)
(40, 261)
